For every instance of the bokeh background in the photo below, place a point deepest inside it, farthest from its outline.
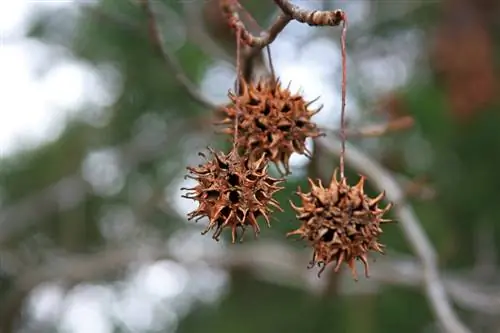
(96, 132)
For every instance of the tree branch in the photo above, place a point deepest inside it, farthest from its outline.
(230, 10)
(158, 42)
(269, 261)
(312, 17)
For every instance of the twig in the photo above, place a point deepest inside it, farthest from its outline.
(158, 42)
(343, 135)
(377, 130)
(312, 17)
(415, 235)
(229, 8)
(326, 18)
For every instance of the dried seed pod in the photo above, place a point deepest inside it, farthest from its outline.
(272, 121)
(341, 223)
(232, 191)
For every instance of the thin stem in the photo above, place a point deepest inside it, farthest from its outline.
(343, 134)
(170, 61)
(237, 86)
(271, 66)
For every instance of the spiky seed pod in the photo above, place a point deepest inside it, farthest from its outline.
(341, 223)
(272, 121)
(232, 191)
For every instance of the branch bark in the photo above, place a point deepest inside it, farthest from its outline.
(269, 261)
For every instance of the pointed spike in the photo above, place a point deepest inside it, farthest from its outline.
(321, 270)
(388, 207)
(312, 101)
(233, 233)
(336, 238)
(318, 110)
(312, 184)
(253, 223)
(299, 232)
(361, 184)
(340, 260)
(364, 260)
(377, 199)
(334, 182)
(354, 271)
(276, 205)
(378, 247)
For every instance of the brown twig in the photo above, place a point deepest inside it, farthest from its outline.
(230, 9)
(377, 130)
(274, 262)
(343, 135)
(312, 17)
(237, 88)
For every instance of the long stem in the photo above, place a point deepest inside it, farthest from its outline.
(343, 135)
(237, 85)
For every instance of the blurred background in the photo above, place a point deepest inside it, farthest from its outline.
(96, 132)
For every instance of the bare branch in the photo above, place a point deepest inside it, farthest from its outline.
(312, 17)
(269, 261)
(230, 9)
(377, 130)
(415, 235)
(158, 42)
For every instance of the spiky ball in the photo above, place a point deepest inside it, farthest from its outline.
(272, 121)
(341, 223)
(232, 191)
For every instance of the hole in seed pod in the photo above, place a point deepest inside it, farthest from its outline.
(222, 165)
(328, 236)
(240, 214)
(233, 180)
(270, 181)
(260, 195)
(267, 110)
(285, 128)
(286, 108)
(224, 214)
(212, 194)
(259, 124)
(234, 197)
(269, 137)
(253, 102)
(300, 123)
(252, 177)
(254, 144)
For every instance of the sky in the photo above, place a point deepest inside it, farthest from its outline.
(33, 109)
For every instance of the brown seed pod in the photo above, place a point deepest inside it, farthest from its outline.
(232, 191)
(272, 121)
(341, 223)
